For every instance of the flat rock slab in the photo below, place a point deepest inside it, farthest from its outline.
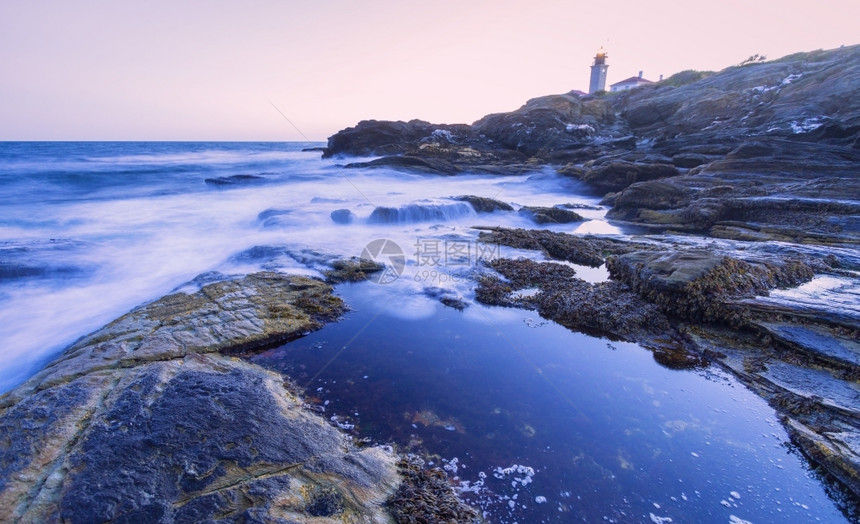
(830, 391)
(263, 308)
(146, 420)
(816, 340)
(836, 451)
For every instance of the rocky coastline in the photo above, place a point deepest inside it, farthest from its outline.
(152, 419)
(747, 182)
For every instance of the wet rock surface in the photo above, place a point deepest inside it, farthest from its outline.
(343, 216)
(616, 175)
(585, 250)
(485, 204)
(793, 192)
(150, 420)
(698, 284)
(550, 215)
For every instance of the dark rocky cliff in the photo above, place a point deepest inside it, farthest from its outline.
(767, 151)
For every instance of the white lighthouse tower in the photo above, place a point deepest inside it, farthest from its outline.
(598, 72)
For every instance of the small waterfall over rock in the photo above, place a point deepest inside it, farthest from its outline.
(421, 212)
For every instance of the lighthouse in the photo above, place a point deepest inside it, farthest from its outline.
(598, 72)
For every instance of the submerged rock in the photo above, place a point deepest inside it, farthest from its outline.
(148, 420)
(43, 259)
(343, 216)
(447, 297)
(275, 217)
(235, 180)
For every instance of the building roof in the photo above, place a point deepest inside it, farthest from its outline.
(633, 80)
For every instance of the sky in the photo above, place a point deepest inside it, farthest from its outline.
(302, 70)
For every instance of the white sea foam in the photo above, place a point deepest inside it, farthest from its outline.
(140, 244)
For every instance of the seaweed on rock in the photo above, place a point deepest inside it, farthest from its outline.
(425, 496)
(583, 250)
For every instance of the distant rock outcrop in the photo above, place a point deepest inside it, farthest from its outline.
(382, 137)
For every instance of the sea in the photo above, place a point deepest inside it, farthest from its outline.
(533, 422)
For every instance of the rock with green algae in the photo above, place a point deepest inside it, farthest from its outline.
(147, 420)
(704, 284)
(604, 308)
(352, 270)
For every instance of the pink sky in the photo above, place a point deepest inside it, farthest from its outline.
(206, 70)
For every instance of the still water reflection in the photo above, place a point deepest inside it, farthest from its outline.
(540, 424)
